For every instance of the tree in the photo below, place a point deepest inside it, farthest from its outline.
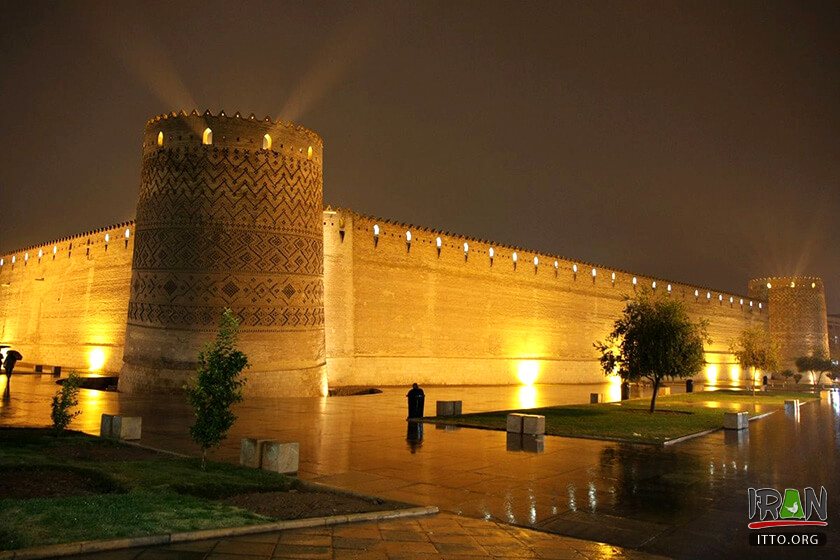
(787, 374)
(654, 339)
(817, 363)
(65, 399)
(754, 349)
(217, 387)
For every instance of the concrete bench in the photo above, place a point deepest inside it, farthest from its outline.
(279, 457)
(448, 408)
(736, 420)
(269, 455)
(531, 424)
(120, 427)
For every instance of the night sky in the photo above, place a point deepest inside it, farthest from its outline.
(696, 142)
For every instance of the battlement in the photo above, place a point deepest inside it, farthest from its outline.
(761, 287)
(82, 243)
(237, 132)
(518, 260)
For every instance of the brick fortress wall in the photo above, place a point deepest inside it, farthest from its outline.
(398, 312)
(65, 303)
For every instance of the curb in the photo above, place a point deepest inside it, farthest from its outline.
(85, 547)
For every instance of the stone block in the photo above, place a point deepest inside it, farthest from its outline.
(736, 420)
(280, 457)
(533, 424)
(39, 368)
(524, 442)
(514, 422)
(106, 424)
(595, 398)
(250, 452)
(126, 427)
(448, 408)
(56, 371)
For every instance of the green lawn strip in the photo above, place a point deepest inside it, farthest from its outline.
(42, 521)
(156, 495)
(676, 416)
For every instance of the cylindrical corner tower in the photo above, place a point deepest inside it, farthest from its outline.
(229, 215)
(797, 315)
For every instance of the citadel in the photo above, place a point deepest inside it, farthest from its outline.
(230, 214)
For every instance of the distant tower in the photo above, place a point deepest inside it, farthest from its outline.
(229, 215)
(797, 315)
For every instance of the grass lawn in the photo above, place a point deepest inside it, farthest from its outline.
(78, 487)
(675, 416)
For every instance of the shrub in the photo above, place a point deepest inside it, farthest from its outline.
(65, 398)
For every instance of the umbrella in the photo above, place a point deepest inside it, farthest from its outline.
(14, 354)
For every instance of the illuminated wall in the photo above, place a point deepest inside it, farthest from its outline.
(68, 306)
(399, 311)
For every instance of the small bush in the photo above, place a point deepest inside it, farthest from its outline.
(65, 398)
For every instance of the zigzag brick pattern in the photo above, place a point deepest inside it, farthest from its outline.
(222, 227)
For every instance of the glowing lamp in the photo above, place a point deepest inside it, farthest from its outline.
(26, 256)
(55, 249)
(491, 252)
(813, 284)
(376, 229)
(408, 237)
(107, 237)
(2, 262)
(96, 359)
(750, 304)
(527, 371)
(127, 233)
(653, 284)
(760, 306)
(556, 265)
(769, 285)
(741, 301)
(793, 284)
(696, 293)
(594, 273)
(669, 287)
(438, 242)
(40, 253)
(14, 258)
(466, 247)
(536, 261)
(708, 295)
(635, 281)
(574, 268)
(612, 276)
(720, 297)
(515, 257)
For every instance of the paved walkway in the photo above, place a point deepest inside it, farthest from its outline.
(440, 537)
(688, 500)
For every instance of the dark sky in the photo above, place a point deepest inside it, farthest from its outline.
(690, 141)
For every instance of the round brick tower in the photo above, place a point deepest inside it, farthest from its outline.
(797, 315)
(229, 215)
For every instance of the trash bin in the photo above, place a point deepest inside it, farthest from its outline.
(625, 391)
(689, 385)
(416, 398)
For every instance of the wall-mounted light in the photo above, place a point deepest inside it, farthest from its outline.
(769, 285)
(14, 259)
(813, 284)
(760, 306)
(731, 301)
(492, 253)
(55, 250)
(720, 298)
(107, 240)
(751, 304)
(708, 295)
(653, 284)
(515, 258)
(407, 241)
(556, 268)
(536, 263)
(438, 244)
(375, 235)
(2, 262)
(466, 250)
(574, 271)
(635, 281)
(25, 258)
(160, 139)
(793, 284)
(612, 278)
(669, 288)
(696, 294)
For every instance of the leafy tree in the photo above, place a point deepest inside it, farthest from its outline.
(654, 339)
(817, 363)
(64, 399)
(754, 349)
(217, 387)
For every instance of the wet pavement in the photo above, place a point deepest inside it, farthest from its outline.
(688, 500)
(442, 537)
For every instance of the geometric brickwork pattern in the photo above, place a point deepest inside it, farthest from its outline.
(228, 227)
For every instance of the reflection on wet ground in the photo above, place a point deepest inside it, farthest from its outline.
(686, 500)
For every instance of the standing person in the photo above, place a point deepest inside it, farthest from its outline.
(416, 396)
